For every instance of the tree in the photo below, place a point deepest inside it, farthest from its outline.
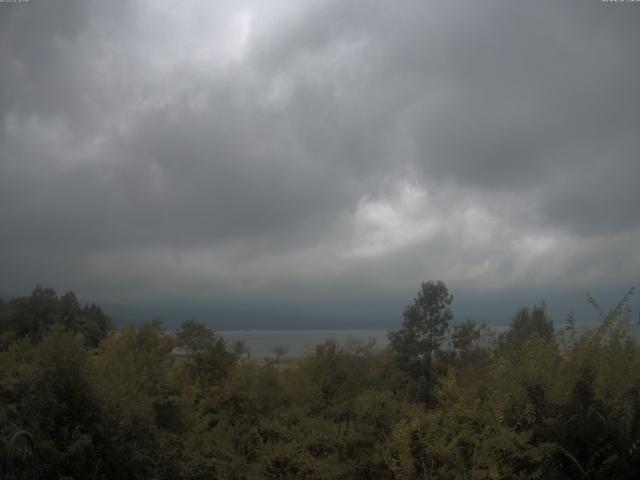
(469, 342)
(46, 389)
(144, 417)
(465, 336)
(194, 336)
(525, 325)
(423, 328)
(33, 317)
(210, 360)
(279, 351)
(240, 349)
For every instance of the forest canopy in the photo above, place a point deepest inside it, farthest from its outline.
(446, 399)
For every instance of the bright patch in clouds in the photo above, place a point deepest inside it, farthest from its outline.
(384, 225)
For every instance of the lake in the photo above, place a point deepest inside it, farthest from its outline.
(296, 342)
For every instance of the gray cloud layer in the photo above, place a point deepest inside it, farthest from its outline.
(320, 155)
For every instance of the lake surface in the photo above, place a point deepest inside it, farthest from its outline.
(296, 342)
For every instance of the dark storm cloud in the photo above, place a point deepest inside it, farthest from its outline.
(208, 149)
(504, 96)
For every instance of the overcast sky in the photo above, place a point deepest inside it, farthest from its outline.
(321, 158)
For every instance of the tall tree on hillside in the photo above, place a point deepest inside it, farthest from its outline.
(525, 325)
(210, 359)
(423, 329)
(194, 336)
(34, 316)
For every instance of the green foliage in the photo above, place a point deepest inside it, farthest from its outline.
(469, 344)
(208, 359)
(526, 325)
(46, 389)
(193, 336)
(423, 329)
(33, 317)
(538, 403)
